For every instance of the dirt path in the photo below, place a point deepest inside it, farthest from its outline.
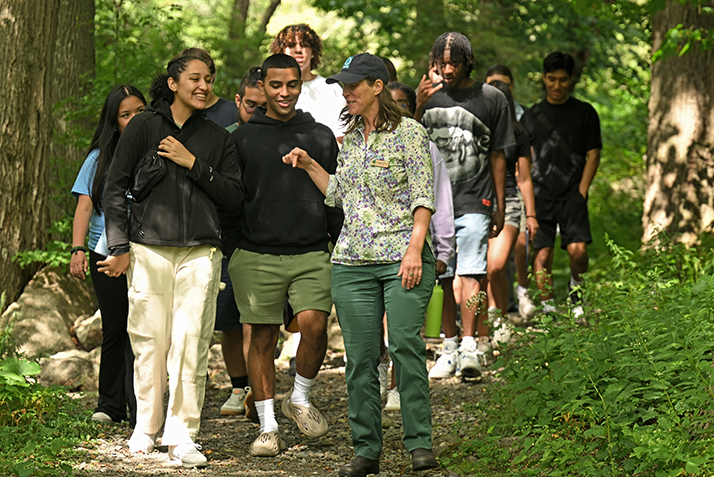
(225, 440)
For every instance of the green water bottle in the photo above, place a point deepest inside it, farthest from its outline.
(433, 313)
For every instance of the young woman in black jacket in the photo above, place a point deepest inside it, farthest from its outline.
(169, 248)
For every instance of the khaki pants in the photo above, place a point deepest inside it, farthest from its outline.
(172, 311)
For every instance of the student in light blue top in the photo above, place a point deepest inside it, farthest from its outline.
(383, 259)
(116, 389)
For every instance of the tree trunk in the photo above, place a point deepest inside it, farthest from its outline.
(73, 63)
(680, 167)
(41, 40)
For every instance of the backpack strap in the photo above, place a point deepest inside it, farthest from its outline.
(551, 130)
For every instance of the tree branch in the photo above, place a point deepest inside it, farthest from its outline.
(268, 15)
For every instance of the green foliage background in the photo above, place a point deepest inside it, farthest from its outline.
(611, 41)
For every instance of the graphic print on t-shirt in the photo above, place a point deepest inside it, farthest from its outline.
(463, 141)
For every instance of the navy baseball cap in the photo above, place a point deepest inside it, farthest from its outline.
(359, 67)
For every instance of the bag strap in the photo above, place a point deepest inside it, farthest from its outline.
(195, 123)
(554, 132)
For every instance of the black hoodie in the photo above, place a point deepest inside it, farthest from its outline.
(284, 213)
(180, 211)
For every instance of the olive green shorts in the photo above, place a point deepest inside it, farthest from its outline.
(261, 282)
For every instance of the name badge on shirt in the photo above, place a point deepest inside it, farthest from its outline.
(379, 163)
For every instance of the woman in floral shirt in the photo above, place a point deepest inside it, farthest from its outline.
(383, 258)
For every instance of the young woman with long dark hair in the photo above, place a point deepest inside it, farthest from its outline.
(116, 368)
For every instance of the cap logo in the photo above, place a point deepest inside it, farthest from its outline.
(347, 63)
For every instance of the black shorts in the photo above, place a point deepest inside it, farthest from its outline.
(570, 214)
(227, 315)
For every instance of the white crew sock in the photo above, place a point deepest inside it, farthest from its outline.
(575, 283)
(451, 344)
(468, 342)
(296, 342)
(266, 414)
(301, 391)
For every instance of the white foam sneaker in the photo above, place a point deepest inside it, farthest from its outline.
(470, 362)
(526, 307)
(141, 442)
(235, 405)
(394, 402)
(187, 455)
(447, 364)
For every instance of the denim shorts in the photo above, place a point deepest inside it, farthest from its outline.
(471, 246)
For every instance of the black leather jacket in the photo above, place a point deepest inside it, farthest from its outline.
(180, 211)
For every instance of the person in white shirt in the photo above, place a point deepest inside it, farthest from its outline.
(323, 101)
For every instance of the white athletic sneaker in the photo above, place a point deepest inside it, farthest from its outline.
(187, 455)
(447, 364)
(470, 362)
(526, 307)
(577, 311)
(235, 405)
(394, 402)
(141, 442)
(548, 306)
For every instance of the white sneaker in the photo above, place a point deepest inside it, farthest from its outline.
(187, 455)
(102, 418)
(447, 363)
(394, 402)
(548, 306)
(445, 366)
(526, 307)
(470, 362)
(383, 368)
(235, 405)
(141, 442)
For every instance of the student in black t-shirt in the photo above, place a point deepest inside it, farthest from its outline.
(470, 124)
(565, 136)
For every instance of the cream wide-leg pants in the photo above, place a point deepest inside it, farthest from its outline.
(172, 311)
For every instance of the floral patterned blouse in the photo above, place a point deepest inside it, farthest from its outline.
(379, 184)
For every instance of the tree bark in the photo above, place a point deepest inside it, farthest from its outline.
(41, 44)
(680, 167)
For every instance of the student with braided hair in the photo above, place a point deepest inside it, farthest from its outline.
(469, 122)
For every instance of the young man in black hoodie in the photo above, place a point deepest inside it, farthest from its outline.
(282, 248)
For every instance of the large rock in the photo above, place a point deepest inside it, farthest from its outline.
(88, 331)
(46, 311)
(74, 369)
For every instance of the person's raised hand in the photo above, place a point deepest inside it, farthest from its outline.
(298, 158)
(173, 150)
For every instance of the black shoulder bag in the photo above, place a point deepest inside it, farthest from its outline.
(575, 158)
(152, 167)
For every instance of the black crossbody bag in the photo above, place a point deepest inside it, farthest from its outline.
(152, 167)
(575, 158)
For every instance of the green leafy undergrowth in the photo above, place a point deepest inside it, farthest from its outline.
(632, 394)
(38, 425)
(56, 252)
